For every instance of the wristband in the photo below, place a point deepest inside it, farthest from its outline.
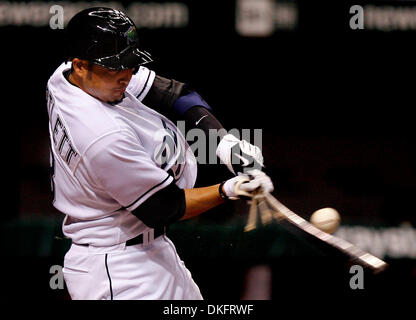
(221, 191)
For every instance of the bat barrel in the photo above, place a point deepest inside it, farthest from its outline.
(337, 246)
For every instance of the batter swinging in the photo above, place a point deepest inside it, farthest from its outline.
(121, 170)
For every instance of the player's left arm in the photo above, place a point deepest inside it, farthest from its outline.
(178, 100)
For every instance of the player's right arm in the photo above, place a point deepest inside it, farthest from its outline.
(120, 165)
(199, 200)
(172, 203)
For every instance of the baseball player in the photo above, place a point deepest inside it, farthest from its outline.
(122, 172)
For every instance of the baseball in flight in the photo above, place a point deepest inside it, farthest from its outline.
(326, 219)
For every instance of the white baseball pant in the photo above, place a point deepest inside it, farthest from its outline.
(148, 271)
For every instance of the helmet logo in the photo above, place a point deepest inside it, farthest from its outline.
(131, 35)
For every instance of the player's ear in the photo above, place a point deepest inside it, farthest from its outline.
(80, 67)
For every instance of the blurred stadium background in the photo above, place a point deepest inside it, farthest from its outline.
(334, 105)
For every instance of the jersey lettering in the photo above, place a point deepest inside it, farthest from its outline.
(62, 142)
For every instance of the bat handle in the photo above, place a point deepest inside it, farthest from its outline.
(240, 192)
(252, 217)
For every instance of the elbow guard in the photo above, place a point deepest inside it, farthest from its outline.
(163, 208)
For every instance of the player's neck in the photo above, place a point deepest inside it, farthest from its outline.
(72, 79)
(76, 81)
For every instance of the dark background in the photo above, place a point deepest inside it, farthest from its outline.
(335, 106)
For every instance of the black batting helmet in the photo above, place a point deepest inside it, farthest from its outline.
(107, 37)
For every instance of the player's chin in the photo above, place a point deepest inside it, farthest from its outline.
(115, 98)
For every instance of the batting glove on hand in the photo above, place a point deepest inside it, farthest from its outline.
(239, 155)
(245, 184)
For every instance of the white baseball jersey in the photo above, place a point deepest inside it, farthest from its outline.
(108, 159)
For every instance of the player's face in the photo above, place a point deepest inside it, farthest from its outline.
(102, 83)
(105, 84)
